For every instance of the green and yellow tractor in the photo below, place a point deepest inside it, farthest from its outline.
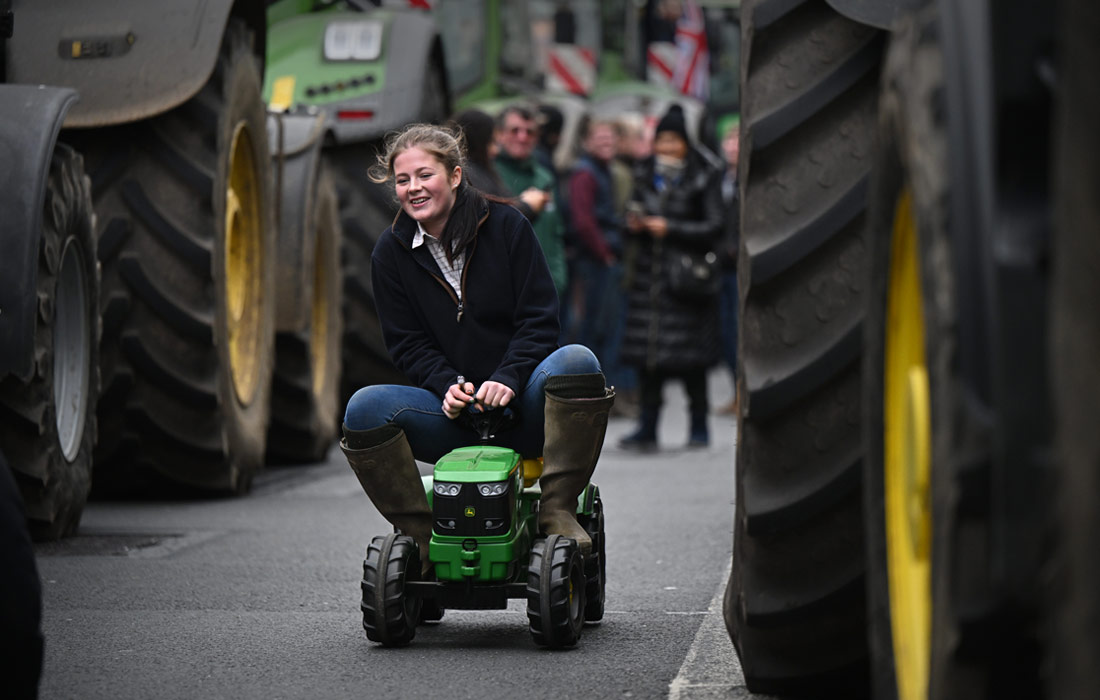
(153, 254)
(917, 474)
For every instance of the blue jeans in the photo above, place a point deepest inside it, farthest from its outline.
(432, 434)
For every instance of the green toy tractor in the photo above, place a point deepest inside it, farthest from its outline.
(486, 549)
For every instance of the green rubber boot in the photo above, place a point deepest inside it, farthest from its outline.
(383, 462)
(577, 406)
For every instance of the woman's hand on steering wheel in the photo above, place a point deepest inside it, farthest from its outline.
(494, 395)
(457, 398)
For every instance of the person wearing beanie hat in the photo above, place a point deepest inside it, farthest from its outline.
(674, 121)
(672, 327)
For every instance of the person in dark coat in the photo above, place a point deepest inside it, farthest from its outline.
(470, 315)
(677, 211)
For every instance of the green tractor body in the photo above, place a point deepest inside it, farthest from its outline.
(358, 72)
(370, 71)
(483, 518)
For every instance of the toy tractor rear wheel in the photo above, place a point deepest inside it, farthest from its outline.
(595, 567)
(390, 614)
(555, 592)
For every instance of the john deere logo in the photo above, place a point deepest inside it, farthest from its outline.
(470, 512)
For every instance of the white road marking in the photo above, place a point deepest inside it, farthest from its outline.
(711, 667)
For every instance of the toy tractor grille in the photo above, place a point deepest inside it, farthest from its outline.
(469, 513)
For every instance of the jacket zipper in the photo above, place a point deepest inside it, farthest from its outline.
(460, 306)
(462, 282)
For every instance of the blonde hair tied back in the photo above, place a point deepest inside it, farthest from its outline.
(442, 143)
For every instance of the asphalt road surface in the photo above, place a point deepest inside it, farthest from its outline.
(259, 597)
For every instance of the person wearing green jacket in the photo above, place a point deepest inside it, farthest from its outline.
(521, 172)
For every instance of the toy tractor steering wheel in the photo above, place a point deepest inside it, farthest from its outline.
(488, 421)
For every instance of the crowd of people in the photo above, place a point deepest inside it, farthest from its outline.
(640, 235)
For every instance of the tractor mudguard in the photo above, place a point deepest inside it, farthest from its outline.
(30, 119)
(295, 141)
(129, 59)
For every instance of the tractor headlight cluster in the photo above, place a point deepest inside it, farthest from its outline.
(472, 509)
(353, 41)
(444, 489)
(496, 488)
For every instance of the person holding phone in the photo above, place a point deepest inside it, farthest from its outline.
(671, 332)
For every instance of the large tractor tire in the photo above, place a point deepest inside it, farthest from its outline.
(795, 603)
(937, 628)
(366, 210)
(1074, 348)
(186, 239)
(304, 393)
(49, 426)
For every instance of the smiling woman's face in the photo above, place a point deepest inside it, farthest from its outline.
(425, 189)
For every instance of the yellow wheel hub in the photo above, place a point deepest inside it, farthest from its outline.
(244, 265)
(907, 444)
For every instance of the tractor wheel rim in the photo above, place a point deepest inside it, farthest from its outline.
(243, 265)
(319, 322)
(71, 357)
(907, 446)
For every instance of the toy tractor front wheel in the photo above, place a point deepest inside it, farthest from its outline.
(555, 592)
(390, 614)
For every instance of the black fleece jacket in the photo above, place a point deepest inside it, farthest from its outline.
(506, 323)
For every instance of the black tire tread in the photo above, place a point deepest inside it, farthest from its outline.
(595, 567)
(548, 574)
(304, 422)
(54, 490)
(795, 608)
(386, 617)
(154, 183)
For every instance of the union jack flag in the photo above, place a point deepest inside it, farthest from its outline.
(692, 73)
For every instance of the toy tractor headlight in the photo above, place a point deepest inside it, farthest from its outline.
(444, 489)
(353, 41)
(497, 488)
